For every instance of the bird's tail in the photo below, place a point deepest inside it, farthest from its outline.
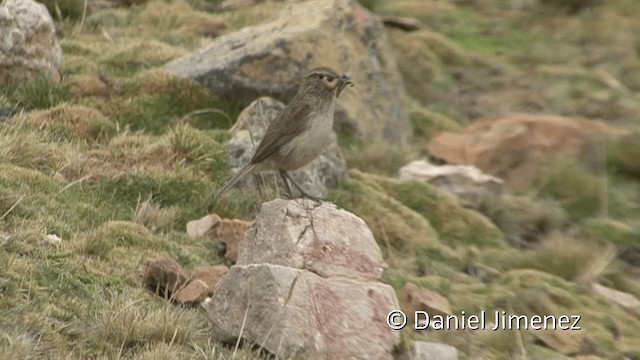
(242, 173)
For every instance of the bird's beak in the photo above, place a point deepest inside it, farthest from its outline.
(343, 81)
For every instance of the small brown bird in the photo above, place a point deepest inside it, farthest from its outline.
(299, 134)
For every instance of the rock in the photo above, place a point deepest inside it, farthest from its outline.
(271, 58)
(467, 183)
(164, 275)
(315, 177)
(229, 232)
(297, 313)
(193, 293)
(514, 147)
(200, 227)
(403, 23)
(624, 300)
(306, 286)
(54, 239)
(6, 113)
(210, 275)
(420, 299)
(29, 46)
(421, 350)
(318, 238)
(5, 235)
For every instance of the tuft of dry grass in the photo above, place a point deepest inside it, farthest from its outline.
(154, 217)
(131, 327)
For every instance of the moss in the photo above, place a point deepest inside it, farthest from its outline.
(418, 64)
(570, 6)
(200, 149)
(428, 123)
(565, 257)
(579, 191)
(184, 20)
(376, 156)
(73, 122)
(165, 103)
(392, 223)
(524, 220)
(454, 224)
(604, 231)
(180, 187)
(40, 92)
(112, 234)
(141, 55)
(66, 8)
(624, 154)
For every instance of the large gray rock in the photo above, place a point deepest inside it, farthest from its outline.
(315, 177)
(306, 286)
(270, 59)
(467, 183)
(28, 44)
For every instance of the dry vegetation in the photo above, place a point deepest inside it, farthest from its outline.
(116, 159)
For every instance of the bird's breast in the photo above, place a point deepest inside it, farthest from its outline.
(309, 144)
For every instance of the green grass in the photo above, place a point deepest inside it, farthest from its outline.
(39, 93)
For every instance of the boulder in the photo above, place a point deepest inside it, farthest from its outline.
(306, 285)
(29, 46)
(316, 237)
(514, 147)
(417, 298)
(467, 183)
(421, 350)
(315, 177)
(271, 58)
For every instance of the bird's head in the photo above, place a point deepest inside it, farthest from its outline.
(325, 81)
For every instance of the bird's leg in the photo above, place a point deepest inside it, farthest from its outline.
(302, 192)
(287, 188)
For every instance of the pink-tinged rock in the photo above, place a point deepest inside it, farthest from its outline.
(304, 234)
(296, 313)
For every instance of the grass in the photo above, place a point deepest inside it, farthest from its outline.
(116, 157)
(39, 93)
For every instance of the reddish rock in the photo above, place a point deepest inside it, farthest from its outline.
(417, 298)
(229, 232)
(164, 275)
(514, 147)
(194, 293)
(210, 275)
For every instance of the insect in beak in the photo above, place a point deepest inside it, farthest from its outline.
(344, 81)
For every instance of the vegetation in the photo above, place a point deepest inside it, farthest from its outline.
(118, 156)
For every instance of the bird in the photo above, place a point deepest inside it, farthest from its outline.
(297, 135)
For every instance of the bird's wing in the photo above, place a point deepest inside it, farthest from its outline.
(289, 124)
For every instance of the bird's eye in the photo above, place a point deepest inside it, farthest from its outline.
(329, 78)
(320, 76)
